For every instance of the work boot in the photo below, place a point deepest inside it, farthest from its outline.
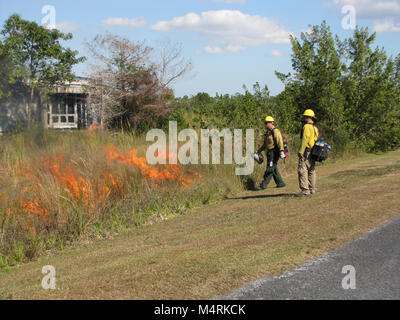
(259, 188)
(264, 184)
(281, 186)
(303, 194)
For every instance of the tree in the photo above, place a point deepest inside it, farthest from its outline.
(6, 73)
(397, 69)
(353, 88)
(170, 63)
(37, 55)
(316, 81)
(126, 85)
(370, 85)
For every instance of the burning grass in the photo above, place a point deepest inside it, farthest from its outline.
(84, 184)
(59, 187)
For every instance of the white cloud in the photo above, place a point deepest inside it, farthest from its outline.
(66, 26)
(213, 50)
(229, 30)
(229, 48)
(371, 9)
(276, 53)
(387, 25)
(384, 13)
(124, 22)
(234, 48)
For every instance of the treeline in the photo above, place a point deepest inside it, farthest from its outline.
(353, 87)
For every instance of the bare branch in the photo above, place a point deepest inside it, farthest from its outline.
(125, 83)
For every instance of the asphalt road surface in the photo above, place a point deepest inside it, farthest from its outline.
(367, 268)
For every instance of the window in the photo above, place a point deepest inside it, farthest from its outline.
(71, 109)
(54, 109)
(63, 108)
(64, 111)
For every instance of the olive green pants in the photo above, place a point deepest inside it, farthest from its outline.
(272, 170)
(307, 174)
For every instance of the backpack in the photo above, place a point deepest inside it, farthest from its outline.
(320, 151)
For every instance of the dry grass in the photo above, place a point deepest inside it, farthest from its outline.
(56, 188)
(219, 247)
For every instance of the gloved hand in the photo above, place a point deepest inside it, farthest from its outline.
(283, 155)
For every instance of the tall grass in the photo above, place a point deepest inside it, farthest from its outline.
(57, 187)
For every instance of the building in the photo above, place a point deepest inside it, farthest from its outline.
(65, 108)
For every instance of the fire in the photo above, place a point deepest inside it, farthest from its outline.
(172, 172)
(88, 192)
(77, 186)
(34, 207)
(93, 127)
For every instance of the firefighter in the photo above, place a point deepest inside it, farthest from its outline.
(306, 166)
(273, 146)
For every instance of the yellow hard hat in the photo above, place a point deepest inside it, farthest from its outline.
(269, 119)
(309, 113)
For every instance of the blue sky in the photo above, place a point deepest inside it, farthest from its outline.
(229, 42)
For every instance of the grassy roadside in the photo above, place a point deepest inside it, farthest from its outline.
(57, 189)
(220, 247)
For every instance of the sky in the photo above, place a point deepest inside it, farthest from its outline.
(230, 43)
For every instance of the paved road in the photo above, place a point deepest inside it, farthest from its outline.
(376, 261)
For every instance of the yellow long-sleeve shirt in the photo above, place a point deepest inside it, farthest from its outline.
(269, 142)
(309, 137)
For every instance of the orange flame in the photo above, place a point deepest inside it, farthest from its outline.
(173, 172)
(34, 207)
(75, 184)
(93, 127)
(89, 193)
